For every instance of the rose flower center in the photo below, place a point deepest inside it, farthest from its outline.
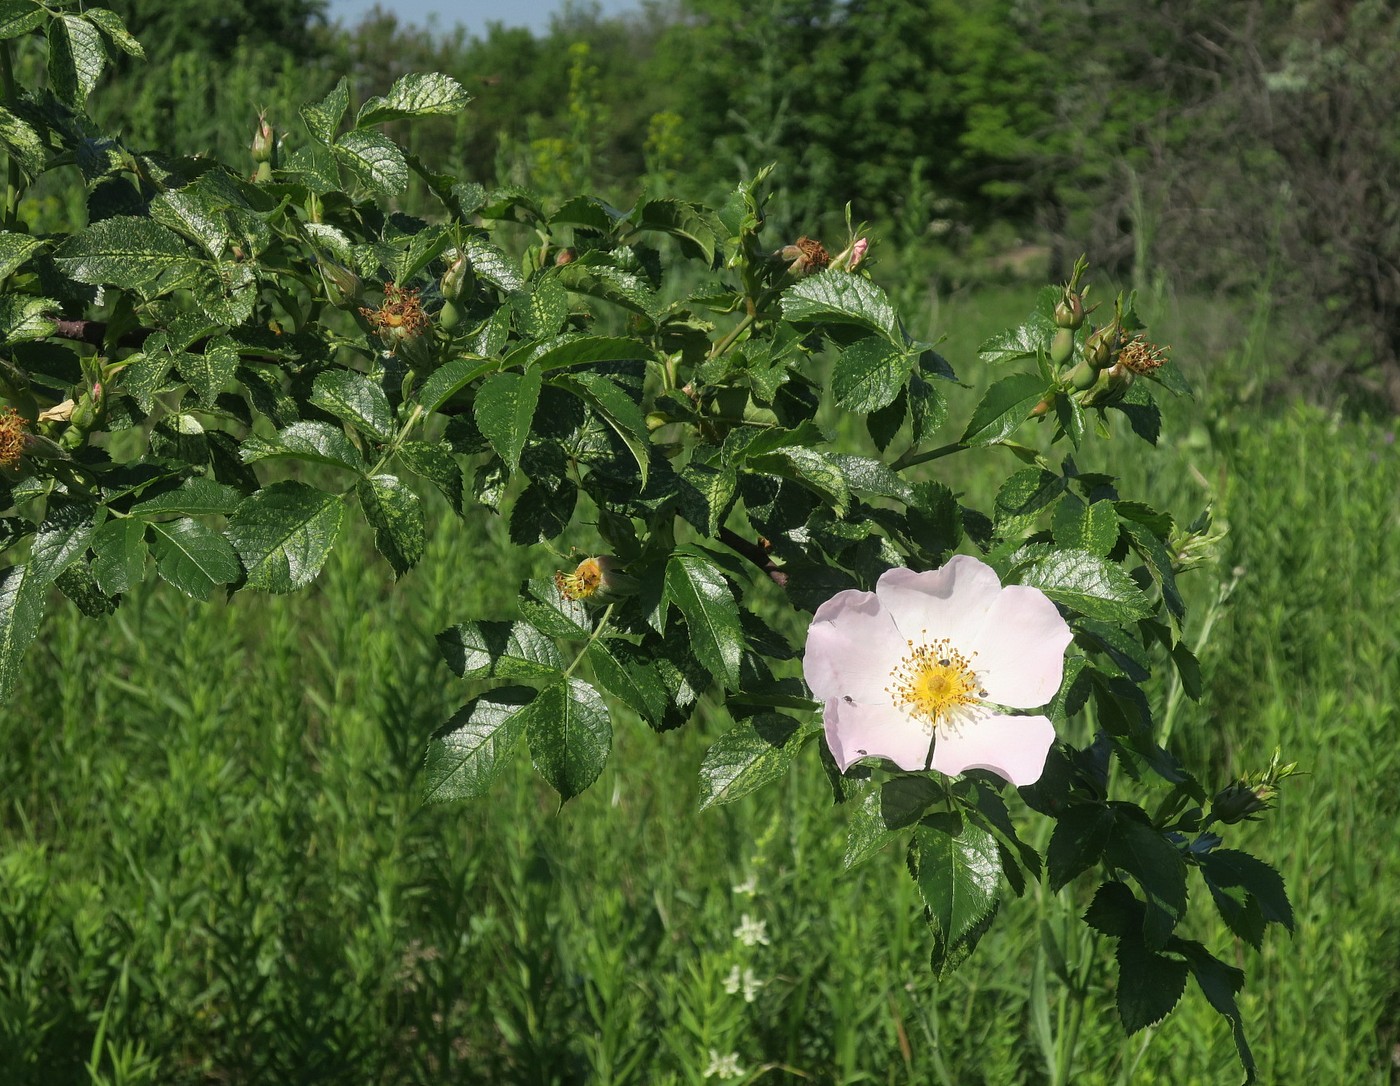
(933, 682)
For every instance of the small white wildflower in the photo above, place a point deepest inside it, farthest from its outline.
(726, 1066)
(733, 982)
(748, 887)
(752, 932)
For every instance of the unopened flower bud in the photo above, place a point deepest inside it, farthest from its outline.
(457, 279)
(849, 258)
(264, 140)
(1112, 385)
(1101, 348)
(343, 286)
(1069, 311)
(805, 256)
(1252, 794)
(565, 256)
(596, 581)
(1062, 346)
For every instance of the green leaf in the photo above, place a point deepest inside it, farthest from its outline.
(375, 160)
(418, 94)
(22, 597)
(542, 511)
(542, 310)
(812, 468)
(467, 754)
(1226, 867)
(450, 378)
(748, 756)
(1220, 983)
(113, 26)
(838, 297)
(691, 223)
(284, 533)
(356, 399)
(1137, 848)
(1023, 497)
(210, 371)
(504, 410)
(698, 588)
(25, 318)
(1091, 585)
(1149, 984)
(716, 486)
(123, 251)
(15, 249)
(323, 117)
(1080, 836)
(628, 674)
(570, 736)
(20, 17)
(79, 585)
(892, 806)
(435, 463)
(77, 56)
(193, 213)
(957, 873)
(492, 264)
(551, 612)
(119, 549)
(23, 141)
(561, 351)
(193, 557)
(1093, 528)
(194, 497)
(320, 442)
(1159, 562)
(869, 375)
(62, 538)
(1017, 343)
(396, 516)
(1003, 408)
(617, 409)
(499, 650)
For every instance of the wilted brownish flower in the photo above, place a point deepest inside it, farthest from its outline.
(12, 431)
(805, 256)
(400, 317)
(1142, 356)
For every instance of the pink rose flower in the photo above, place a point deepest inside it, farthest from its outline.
(921, 670)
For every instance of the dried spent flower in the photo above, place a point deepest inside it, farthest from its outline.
(13, 429)
(1142, 356)
(805, 256)
(597, 580)
(400, 317)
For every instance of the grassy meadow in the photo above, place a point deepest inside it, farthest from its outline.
(215, 867)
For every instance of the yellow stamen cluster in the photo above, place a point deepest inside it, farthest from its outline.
(400, 317)
(1141, 356)
(934, 682)
(583, 582)
(12, 430)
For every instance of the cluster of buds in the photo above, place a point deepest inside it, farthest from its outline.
(1252, 794)
(456, 284)
(596, 581)
(805, 256)
(401, 316)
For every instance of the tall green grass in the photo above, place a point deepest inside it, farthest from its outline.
(215, 867)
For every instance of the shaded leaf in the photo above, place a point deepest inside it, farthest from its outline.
(193, 557)
(284, 533)
(570, 736)
(396, 516)
(753, 753)
(467, 754)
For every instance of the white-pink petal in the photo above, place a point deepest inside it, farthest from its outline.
(855, 731)
(951, 602)
(852, 645)
(1013, 747)
(1021, 648)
